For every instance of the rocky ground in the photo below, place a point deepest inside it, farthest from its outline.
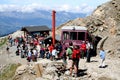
(104, 22)
(52, 70)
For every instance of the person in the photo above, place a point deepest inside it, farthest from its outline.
(75, 58)
(34, 55)
(38, 48)
(29, 55)
(47, 55)
(64, 57)
(88, 51)
(102, 57)
(42, 52)
(50, 48)
(53, 53)
(7, 49)
(59, 49)
(83, 49)
(69, 54)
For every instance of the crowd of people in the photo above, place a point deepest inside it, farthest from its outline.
(75, 52)
(32, 49)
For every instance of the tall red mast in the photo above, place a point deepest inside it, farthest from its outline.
(53, 27)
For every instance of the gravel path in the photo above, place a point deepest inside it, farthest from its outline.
(6, 58)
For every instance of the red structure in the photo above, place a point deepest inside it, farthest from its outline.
(53, 27)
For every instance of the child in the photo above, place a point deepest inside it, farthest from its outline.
(102, 56)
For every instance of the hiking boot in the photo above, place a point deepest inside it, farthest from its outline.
(103, 66)
(100, 67)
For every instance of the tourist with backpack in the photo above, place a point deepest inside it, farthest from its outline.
(69, 54)
(75, 58)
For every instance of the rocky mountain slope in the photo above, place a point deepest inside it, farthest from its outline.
(103, 22)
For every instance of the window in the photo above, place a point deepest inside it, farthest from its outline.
(65, 35)
(73, 35)
(81, 35)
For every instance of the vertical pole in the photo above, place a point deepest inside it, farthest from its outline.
(53, 27)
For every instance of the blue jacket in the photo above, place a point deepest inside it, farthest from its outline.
(102, 54)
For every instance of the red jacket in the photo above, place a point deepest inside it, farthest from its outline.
(50, 48)
(83, 47)
(76, 54)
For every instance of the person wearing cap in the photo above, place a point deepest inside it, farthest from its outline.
(75, 58)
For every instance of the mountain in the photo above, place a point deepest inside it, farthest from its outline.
(11, 21)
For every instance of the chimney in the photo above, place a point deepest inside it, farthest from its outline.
(53, 27)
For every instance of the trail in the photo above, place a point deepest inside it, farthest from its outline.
(7, 58)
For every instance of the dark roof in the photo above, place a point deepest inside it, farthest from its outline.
(35, 28)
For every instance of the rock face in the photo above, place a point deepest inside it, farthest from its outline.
(41, 70)
(103, 22)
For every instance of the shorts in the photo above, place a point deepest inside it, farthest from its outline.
(75, 62)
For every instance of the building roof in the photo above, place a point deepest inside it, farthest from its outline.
(35, 28)
(74, 28)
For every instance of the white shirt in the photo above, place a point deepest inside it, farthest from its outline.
(54, 52)
(88, 45)
(29, 54)
(34, 52)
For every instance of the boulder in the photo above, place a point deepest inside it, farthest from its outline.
(20, 70)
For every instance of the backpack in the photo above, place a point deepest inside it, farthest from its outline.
(75, 54)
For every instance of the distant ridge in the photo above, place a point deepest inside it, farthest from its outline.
(12, 21)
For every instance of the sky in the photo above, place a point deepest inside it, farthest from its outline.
(76, 6)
